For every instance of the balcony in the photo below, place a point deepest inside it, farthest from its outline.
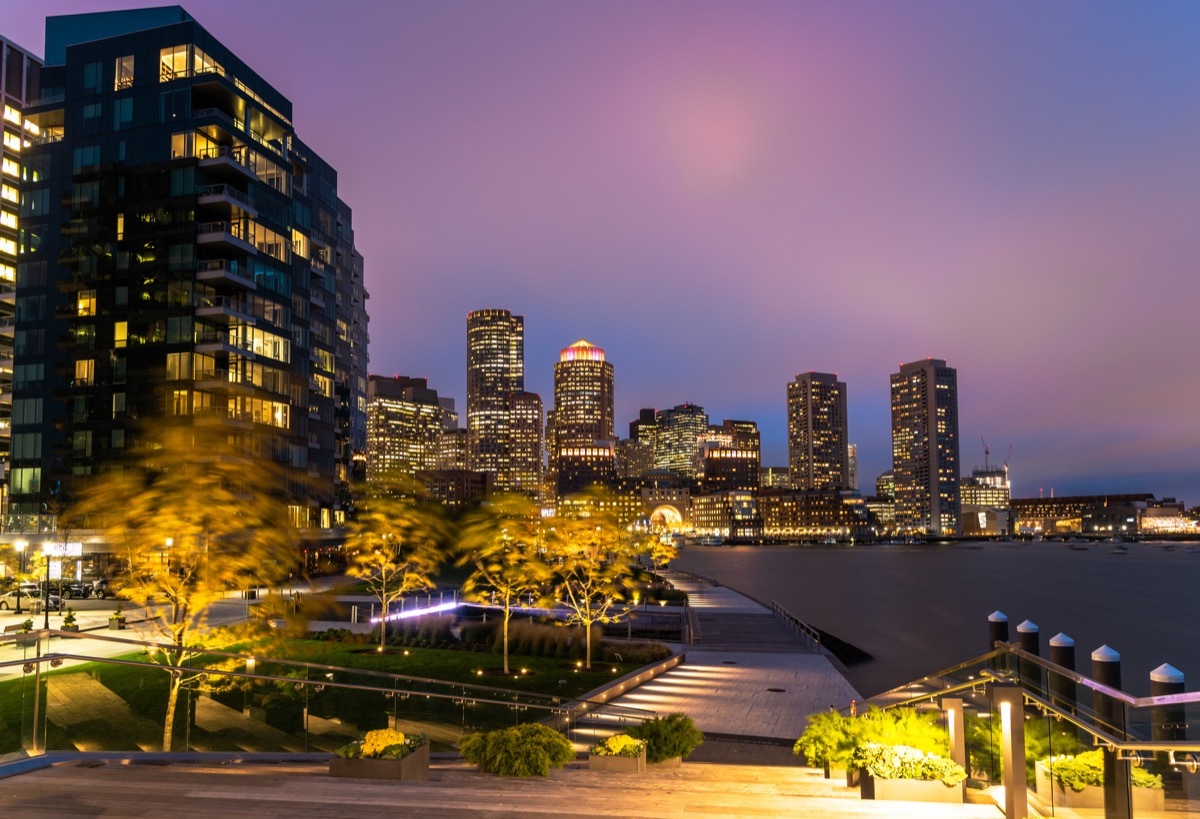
(8, 326)
(223, 309)
(227, 199)
(316, 297)
(226, 159)
(225, 234)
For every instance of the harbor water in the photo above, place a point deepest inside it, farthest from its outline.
(919, 608)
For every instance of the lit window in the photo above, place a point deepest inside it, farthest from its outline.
(85, 370)
(87, 303)
(124, 73)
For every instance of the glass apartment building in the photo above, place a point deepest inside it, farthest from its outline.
(818, 454)
(186, 259)
(925, 453)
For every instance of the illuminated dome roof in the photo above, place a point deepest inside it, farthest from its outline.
(582, 350)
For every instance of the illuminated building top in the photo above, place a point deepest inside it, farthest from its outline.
(582, 350)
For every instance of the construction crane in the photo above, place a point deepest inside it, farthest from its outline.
(986, 452)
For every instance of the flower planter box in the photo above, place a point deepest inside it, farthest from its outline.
(618, 764)
(670, 763)
(74, 628)
(116, 623)
(412, 768)
(1092, 796)
(909, 790)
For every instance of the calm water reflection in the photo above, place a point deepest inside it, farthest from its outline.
(918, 609)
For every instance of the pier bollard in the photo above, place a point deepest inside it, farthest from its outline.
(1106, 670)
(1029, 638)
(1062, 689)
(997, 629)
(1168, 722)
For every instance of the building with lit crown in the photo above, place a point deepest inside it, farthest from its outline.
(925, 457)
(495, 371)
(583, 401)
(817, 438)
(187, 259)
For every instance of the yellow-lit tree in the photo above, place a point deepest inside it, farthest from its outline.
(662, 552)
(394, 545)
(192, 515)
(592, 555)
(504, 541)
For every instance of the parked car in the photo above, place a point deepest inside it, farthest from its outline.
(8, 600)
(101, 588)
(76, 589)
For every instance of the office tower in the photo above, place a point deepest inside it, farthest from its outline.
(495, 370)
(452, 449)
(677, 439)
(583, 400)
(852, 466)
(525, 412)
(405, 423)
(188, 261)
(20, 82)
(817, 455)
(925, 448)
(730, 457)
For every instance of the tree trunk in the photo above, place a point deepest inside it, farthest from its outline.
(587, 627)
(383, 625)
(172, 701)
(504, 639)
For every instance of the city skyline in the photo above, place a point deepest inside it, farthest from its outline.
(726, 196)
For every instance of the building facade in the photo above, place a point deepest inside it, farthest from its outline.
(187, 261)
(817, 432)
(20, 84)
(495, 371)
(677, 439)
(525, 414)
(730, 457)
(925, 455)
(405, 424)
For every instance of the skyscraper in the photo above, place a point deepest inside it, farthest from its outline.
(405, 423)
(20, 82)
(817, 438)
(583, 400)
(925, 448)
(495, 371)
(730, 457)
(525, 413)
(188, 259)
(677, 439)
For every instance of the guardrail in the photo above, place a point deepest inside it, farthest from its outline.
(802, 629)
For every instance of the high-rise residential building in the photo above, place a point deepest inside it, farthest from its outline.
(20, 83)
(187, 259)
(495, 371)
(525, 413)
(405, 423)
(852, 466)
(730, 457)
(583, 401)
(817, 439)
(925, 448)
(677, 439)
(452, 449)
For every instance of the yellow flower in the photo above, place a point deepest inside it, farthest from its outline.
(620, 745)
(378, 741)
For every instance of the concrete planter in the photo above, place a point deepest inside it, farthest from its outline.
(670, 763)
(618, 764)
(116, 623)
(74, 628)
(1092, 796)
(412, 768)
(909, 790)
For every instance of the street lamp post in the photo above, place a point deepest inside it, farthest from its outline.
(46, 591)
(20, 547)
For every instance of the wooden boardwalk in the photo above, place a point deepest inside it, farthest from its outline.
(454, 790)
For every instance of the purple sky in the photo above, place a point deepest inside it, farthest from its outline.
(725, 194)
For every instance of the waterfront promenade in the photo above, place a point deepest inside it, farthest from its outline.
(750, 681)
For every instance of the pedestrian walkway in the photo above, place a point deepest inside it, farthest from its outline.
(454, 789)
(749, 676)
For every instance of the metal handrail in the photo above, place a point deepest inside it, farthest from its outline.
(804, 628)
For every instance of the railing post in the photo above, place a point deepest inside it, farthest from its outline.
(1011, 705)
(952, 707)
(1106, 670)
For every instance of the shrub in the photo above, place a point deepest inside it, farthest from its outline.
(1078, 771)
(641, 653)
(618, 745)
(904, 762)
(667, 737)
(531, 749)
(830, 738)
